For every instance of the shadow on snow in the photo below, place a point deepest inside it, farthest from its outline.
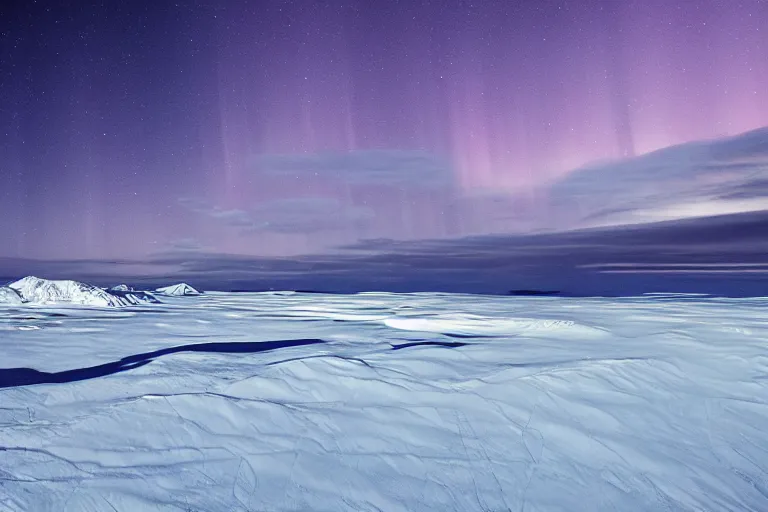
(16, 377)
(448, 344)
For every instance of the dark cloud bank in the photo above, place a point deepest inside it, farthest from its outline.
(722, 255)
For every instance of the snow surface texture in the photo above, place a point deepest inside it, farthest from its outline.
(178, 290)
(488, 404)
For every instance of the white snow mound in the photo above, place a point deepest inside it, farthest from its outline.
(43, 291)
(9, 296)
(177, 290)
(477, 325)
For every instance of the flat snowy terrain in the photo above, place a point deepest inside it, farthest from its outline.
(281, 401)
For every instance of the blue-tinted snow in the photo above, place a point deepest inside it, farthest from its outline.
(647, 403)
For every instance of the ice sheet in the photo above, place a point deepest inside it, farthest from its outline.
(495, 403)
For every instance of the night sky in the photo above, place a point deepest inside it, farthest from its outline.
(275, 128)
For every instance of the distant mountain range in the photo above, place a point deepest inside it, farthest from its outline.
(34, 290)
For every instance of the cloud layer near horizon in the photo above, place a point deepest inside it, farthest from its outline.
(720, 255)
(286, 216)
(713, 196)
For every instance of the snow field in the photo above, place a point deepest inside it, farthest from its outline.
(646, 403)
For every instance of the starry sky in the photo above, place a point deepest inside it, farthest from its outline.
(274, 128)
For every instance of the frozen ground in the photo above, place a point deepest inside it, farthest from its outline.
(386, 402)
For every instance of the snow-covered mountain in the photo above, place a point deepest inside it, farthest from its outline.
(43, 291)
(9, 296)
(132, 295)
(177, 290)
(34, 290)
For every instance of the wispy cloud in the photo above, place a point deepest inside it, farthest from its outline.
(287, 216)
(609, 266)
(186, 245)
(386, 167)
(308, 215)
(716, 177)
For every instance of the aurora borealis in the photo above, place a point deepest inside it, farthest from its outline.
(273, 128)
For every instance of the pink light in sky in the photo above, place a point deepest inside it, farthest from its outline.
(108, 125)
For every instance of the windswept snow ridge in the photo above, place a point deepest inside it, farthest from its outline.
(487, 326)
(9, 296)
(546, 404)
(178, 290)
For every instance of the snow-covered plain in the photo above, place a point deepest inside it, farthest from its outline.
(410, 402)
